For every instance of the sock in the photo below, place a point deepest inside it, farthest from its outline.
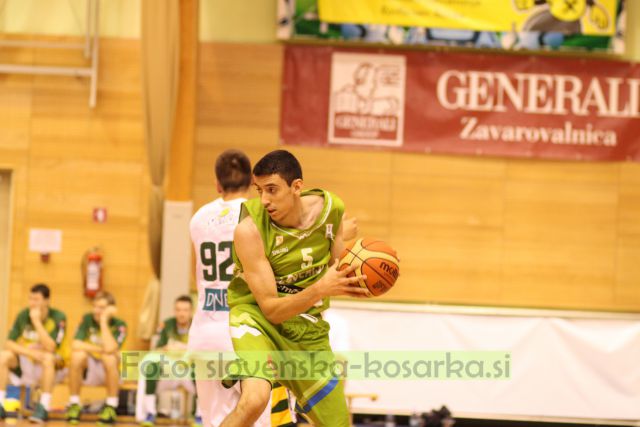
(150, 404)
(74, 399)
(3, 395)
(112, 401)
(45, 400)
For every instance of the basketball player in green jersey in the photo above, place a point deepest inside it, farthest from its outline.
(283, 245)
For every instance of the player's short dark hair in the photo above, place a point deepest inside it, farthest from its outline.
(233, 170)
(42, 289)
(184, 298)
(105, 296)
(279, 162)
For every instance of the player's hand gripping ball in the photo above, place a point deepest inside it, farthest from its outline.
(375, 259)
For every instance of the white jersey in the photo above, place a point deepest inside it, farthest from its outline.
(212, 229)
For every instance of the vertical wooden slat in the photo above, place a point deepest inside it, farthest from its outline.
(179, 174)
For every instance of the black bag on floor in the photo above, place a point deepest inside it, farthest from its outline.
(438, 418)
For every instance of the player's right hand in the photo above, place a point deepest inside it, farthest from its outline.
(34, 314)
(336, 283)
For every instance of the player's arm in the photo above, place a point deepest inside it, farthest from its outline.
(86, 346)
(48, 344)
(163, 339)
(348, 228)
(262, 283)
(337, 246)
(15, 333)
(109, 343)
(22, 350)
(79, 342)
(60, 331)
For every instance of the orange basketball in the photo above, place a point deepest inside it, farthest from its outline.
(375, 259)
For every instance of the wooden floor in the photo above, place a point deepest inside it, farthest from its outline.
(57, 421)
(61, 423)
(122, 421)
(128, 421)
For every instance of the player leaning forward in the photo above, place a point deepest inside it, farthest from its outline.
(282, 249)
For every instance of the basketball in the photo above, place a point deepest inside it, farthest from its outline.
(375, 259)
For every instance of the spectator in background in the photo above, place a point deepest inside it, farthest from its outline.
(31, 351)
(94, 357)
(173, 336)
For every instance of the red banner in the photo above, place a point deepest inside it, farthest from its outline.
(459, 103)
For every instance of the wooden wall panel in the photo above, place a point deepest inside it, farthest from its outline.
(446, 219)
(627, 284)
(68, 159)
(5, 220)
(468, 230)
(238, 106)
(560, 233)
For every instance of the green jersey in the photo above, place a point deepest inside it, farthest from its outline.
(89, 331)
(298, 257)
(170, 332)
(26, 335)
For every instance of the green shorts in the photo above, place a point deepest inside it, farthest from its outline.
(321, 398)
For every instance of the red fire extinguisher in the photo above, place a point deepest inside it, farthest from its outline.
(92, 272)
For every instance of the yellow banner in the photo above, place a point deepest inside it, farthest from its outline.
(594, 17)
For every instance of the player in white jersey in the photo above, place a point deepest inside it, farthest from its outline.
(212, 229)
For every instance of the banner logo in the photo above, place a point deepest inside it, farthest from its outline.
(366, 104)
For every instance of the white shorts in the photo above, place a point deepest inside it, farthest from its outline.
(207, 334)
(95, 373)
(214, 400)
(31, 373)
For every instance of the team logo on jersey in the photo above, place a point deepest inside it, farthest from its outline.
(279, 240)
(329, 231)
(225, 217)
(282, 250)
(30, 334)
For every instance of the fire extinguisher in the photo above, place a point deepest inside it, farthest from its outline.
(92, 272)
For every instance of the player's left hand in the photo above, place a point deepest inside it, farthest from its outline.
(37, 355)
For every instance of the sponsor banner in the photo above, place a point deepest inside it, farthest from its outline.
(564, 16)
(299, 20)
(461, 103)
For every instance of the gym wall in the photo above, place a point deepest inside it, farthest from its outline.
(67, 159)
(468, 230)
(478, 231)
